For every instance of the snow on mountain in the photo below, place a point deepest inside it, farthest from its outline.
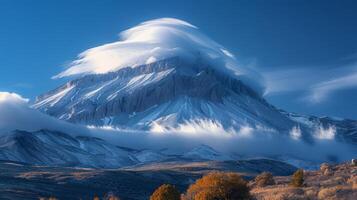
(167, 93)
(163, 85)
(344, 130)
(27, 135)
(204, 152)
(146, 156)
(52, 148)
(44, 140)
(163, 73)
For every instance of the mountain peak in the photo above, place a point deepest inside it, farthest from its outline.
(167, 92)
(156, 40)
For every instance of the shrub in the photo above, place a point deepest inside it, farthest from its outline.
(216, 186)
(264, 179)
(166, 192)
(96, 197)
(326, 169)
(353, 181)
(297, 179)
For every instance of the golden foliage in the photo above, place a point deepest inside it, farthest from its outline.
(96, 197)
(297, 180)
(264, 179)
(218, 186)
(166, 192)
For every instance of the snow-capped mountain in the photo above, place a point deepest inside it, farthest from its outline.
(162, 76)
(45, 147)
(165, 75)
(165, 93)
(341, 129)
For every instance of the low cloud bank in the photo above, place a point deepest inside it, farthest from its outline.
(15, 114)
(246, 142)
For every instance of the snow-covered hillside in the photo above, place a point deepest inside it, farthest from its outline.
(46, 147)
(166, 93)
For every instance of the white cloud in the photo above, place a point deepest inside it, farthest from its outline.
(156, 40)
(315, 84)
(16, 114)
(322, 133)
(291, 79)
(197, 128)
(321, 91)
(248, 141)
(295, 133)
(12, 98)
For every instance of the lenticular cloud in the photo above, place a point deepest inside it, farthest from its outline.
(156, 40)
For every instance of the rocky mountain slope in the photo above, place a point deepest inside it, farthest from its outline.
(168, 92)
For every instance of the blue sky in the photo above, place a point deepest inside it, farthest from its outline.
(307, 50)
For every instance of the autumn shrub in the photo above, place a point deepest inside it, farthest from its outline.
(96, 197)
(264, 179)
(166, 192)
(297, 180)
(218, 186)
(326, 169)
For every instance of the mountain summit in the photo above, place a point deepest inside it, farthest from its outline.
(162, 74)
(166, 94)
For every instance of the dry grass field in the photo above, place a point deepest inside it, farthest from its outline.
(337, 182)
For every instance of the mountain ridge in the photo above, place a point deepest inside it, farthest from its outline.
(137, 90)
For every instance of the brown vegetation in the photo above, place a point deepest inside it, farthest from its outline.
(331, 182)
(264, 179)
(297, 180)
(166, 192)
(340, 183)
(218, 186)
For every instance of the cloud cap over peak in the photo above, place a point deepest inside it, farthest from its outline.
(157, 40)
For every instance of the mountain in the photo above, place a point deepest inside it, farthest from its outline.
(204, 152)
(167, 93)
(344, 130)
(163, 85)
(162, 75)
(54, 148)
(172, 94)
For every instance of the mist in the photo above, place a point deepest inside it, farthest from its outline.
(248, 142)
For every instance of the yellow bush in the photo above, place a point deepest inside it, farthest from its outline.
(297, 179)
(218, 186)
(264, 179)
(166, 192)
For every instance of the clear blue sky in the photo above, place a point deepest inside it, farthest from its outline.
(311, 44)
